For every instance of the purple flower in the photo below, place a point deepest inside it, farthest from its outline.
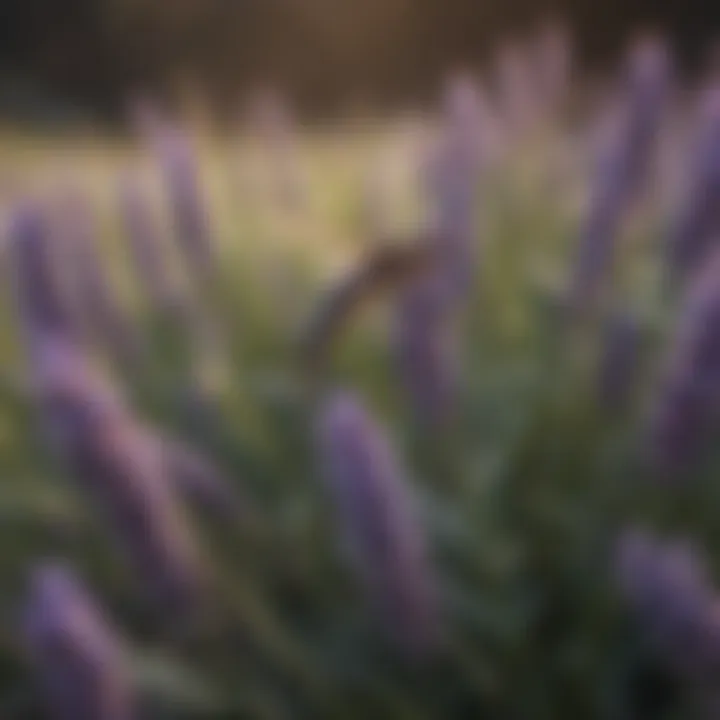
(44, 303)
(378, 521)
(689, 398)
(426, 352)
(191, 221)
(625, 162)
(697, 225)
(667, 587)
(425, 338)
(145, 245)
(79, 659)
(105, 317)
(123, 473)
(648, 87)
(451, 184)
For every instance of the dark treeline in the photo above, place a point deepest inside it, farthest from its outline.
(93, 53)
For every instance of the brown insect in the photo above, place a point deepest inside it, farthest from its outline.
(387, 269)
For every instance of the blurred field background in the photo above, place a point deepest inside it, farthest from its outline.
(359, 363)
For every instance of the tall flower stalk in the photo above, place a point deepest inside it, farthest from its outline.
(378, 521)
(688, 402)
(82, 671)
(625, 163)
(696, 228)
(121, 471)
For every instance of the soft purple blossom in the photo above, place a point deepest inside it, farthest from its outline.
(79, 660)
(689, 397)
(696, 228)
(667, 587)
(451, 182)
(121, 471)
(145, 245)
(425, 341)
(191, 219)
(378, 520)
(105, 317)
(44, 302)
(426, 352)
(623, 168)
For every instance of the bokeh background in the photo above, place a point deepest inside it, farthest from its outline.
(84, 56)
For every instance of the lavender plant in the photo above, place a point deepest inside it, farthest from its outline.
(477, 580)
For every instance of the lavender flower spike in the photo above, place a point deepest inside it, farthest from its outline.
(451, 183)
(42, 299)
(105, 317)
(377, 517)
(697, 226)
(79, 659)
(424, 333)
(191, 221)
(145, 244)
(123, 473)
(667, 587)
(426, 353)
(689, 399)
(624, 165)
